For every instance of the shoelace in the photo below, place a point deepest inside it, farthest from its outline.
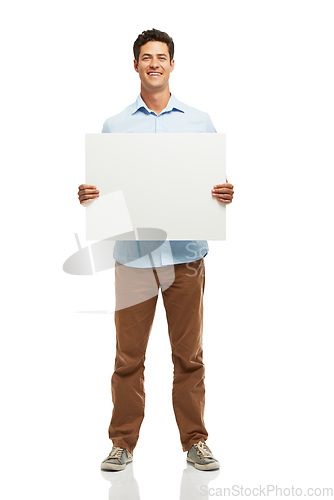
(203, 450)
(116, 452)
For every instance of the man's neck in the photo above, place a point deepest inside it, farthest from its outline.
(156, 101)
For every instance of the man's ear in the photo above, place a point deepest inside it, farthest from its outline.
(172, 64)
(135, 64)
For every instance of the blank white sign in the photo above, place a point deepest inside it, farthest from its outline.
(166, 181)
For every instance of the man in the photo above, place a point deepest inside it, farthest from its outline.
(156, 110)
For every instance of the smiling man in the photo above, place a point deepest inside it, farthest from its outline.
(156, 110)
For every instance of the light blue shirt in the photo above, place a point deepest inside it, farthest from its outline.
(177, 117)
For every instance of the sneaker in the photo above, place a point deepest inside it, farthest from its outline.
(117, 459)
(201, 457)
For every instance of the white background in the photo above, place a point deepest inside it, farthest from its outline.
(263, 70)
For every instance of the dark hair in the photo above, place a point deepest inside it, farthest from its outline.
(153, 36)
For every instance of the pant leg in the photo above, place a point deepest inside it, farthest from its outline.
(183, 301)
(133, 327)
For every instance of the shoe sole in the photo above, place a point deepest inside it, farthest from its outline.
(111, 467)
(213, 466)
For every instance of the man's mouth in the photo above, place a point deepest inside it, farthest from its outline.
(154, 73)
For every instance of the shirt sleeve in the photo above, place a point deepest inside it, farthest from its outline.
(105, 129)
(209, 125)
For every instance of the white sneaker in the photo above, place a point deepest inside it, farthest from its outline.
(201, 457)
(117, 459)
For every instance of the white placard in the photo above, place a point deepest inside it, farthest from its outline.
(100, 216)
(166, 180)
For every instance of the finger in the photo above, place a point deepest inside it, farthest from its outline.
(223, 196)
(224, 190)
(88, 196)
(226, 195)
(226, 202)
(225, 199)
(86, 202)
(226, 185)
(86, 186)
(88, 191)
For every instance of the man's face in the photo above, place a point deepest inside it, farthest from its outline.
(154, 66)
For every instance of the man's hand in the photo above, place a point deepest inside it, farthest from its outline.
(223, 193)
(87, 194)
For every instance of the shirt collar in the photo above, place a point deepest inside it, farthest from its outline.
(173, 103)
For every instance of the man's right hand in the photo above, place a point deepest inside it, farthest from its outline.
(87, 194)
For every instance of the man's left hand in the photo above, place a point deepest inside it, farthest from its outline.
(223, 193)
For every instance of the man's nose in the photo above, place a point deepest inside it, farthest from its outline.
(154, 63)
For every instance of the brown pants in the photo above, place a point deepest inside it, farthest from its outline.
(183, 301)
